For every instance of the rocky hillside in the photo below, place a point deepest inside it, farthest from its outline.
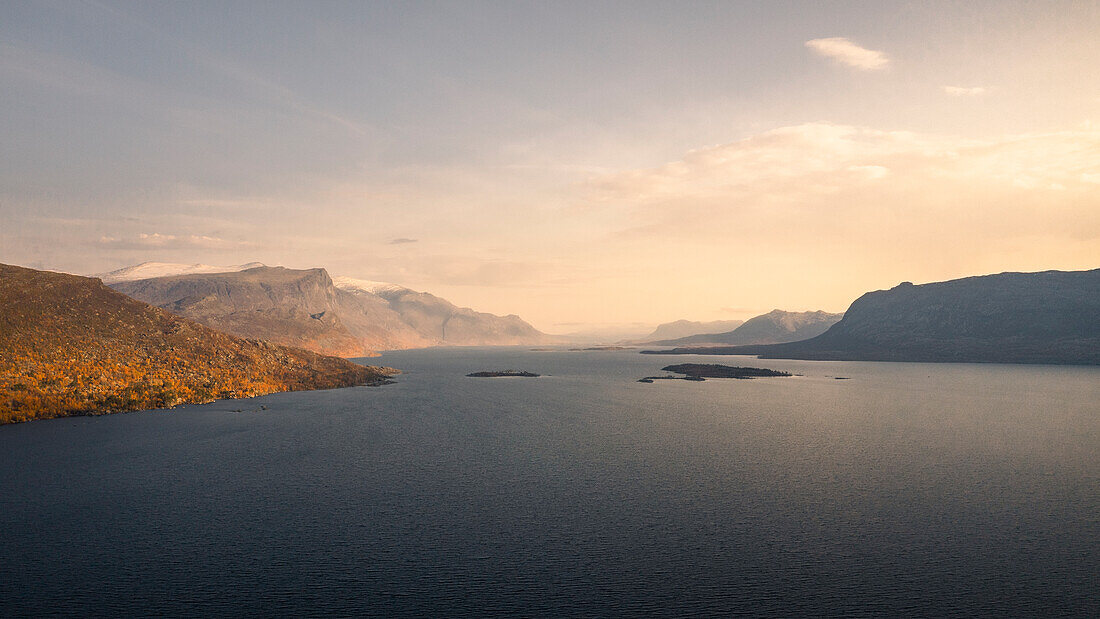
(71, 346)
(774, 327)
(1048, 317)
(306, 308)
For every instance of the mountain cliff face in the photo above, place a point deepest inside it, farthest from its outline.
(1048, 317)
(771, 328)
(71, 346)
(306, 308)
(282, 306)
(687, 328)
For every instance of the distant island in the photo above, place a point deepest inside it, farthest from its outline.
(1052, 317)
(702, 371)
(71, 346)
(503, 373)
(601, 348)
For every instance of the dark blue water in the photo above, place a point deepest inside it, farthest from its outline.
(915, 489)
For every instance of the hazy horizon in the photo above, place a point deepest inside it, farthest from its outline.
(618, 164)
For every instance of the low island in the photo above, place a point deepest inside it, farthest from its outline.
(702, 371)
(503, 373)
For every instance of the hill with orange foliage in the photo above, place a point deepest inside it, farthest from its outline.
(71, 346)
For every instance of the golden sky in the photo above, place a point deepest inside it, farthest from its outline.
(626, 163)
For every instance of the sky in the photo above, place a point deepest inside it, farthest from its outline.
(583, 165)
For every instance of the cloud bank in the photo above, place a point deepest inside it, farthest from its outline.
(821, 159)
(848, 53)
(961, 91)
(899, 196)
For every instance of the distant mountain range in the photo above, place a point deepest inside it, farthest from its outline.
(1048, 317)
(771, 328)
(71, 346)
(308, 309)
(685, 328)
(441, 322)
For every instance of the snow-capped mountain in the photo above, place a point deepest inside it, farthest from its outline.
(147, 270)
(352, 284)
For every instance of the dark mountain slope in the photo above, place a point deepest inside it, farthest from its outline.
(71, 346)
(1048, 317)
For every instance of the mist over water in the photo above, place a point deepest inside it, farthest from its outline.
(932, 489)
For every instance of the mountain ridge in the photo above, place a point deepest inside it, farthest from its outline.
(306, 308)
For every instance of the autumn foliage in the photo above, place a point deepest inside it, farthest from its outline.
(71, 346)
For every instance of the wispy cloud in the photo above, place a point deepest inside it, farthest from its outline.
(402, 241)
(227, 204)
(962, 91)
(156, 240)
(851, 54)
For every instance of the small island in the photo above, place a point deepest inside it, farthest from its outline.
(702, 371)
(503, 373)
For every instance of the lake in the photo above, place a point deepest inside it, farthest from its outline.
(914, 489)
